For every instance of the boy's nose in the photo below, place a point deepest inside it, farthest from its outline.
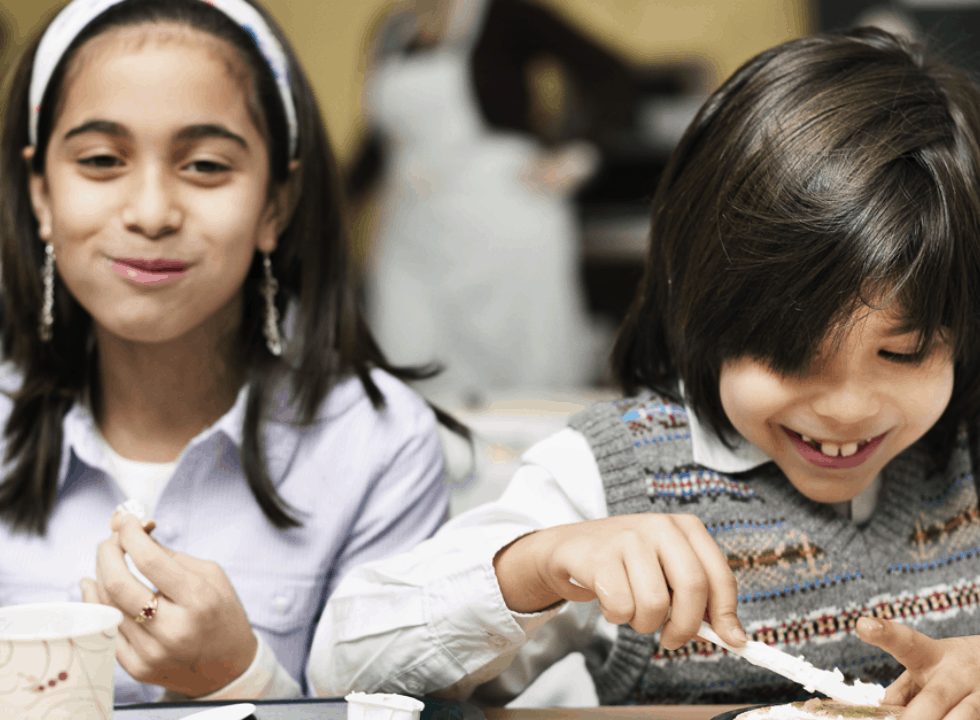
(151, 210)
(847, 403)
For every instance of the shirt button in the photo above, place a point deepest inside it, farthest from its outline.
(281, 604)
(498, 642)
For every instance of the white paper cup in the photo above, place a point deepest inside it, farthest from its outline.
(57, 660)
(382, 706)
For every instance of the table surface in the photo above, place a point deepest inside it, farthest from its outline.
(435, 710)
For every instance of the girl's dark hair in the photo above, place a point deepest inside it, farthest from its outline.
(827, 172)
(312, 264)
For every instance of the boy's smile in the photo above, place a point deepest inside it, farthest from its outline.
(832, 429)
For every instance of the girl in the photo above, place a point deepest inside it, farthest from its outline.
(168, 192)
(798, 443)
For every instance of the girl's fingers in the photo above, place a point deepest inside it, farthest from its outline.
(156, 562)
(89, 591)
(722, 588)
(116, 584)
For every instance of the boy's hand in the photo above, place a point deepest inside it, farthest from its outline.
(941, 678)
(645, 569)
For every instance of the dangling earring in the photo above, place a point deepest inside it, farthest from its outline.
(47, 310)
(269, 288)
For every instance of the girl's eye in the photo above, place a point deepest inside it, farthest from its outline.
(101, 161)
(207, 167)
(901, 358)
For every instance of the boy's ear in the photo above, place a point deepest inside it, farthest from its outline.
(281, 207)
(40, 200)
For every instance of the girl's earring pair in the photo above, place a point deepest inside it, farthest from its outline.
(269, 289)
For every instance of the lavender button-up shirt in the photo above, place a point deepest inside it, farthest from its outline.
(369, 484)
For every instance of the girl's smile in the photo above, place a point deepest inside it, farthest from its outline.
(833, 428)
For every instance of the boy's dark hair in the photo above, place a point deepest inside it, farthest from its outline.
(827, 172)
(312, 264)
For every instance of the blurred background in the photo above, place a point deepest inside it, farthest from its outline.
(499, 157)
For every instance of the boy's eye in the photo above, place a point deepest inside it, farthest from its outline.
(901, 358)
(101, 161)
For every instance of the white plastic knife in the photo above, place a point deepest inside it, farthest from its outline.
(830, 683)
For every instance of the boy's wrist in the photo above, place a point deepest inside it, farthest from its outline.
(521, 581)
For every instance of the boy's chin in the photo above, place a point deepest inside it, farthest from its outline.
(832, 489)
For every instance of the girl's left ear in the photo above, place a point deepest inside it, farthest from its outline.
(281, 207)
(40, 201)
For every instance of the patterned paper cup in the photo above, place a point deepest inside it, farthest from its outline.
(57, 660)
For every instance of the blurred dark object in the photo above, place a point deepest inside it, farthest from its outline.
(521, 39)
(950, 28)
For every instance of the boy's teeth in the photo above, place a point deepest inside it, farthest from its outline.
(806, 438)
(848, 450)
(829, 449)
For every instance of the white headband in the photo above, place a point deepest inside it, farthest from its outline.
(78, 14)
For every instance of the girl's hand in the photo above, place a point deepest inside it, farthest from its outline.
(200, 638)
(941, 678)
(645, 569)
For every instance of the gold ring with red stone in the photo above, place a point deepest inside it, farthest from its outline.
(148, 611)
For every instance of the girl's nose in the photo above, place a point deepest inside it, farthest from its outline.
(152, 210)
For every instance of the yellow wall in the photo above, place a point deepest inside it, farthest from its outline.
(331, 37)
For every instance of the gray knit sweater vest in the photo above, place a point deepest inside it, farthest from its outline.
(805, 575)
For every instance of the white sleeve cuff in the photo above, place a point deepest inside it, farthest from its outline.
(264, 679)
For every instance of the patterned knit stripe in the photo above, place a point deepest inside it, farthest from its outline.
(832, 626)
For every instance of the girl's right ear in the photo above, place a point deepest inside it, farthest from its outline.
(40, 201)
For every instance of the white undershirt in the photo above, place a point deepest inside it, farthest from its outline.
(142, 481)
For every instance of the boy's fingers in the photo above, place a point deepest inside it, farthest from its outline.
(650, 595)
(917, 652)
(968, 709)
(612, 588)
(933, 702)
(690, 588)
(901, 691)
(722, 588)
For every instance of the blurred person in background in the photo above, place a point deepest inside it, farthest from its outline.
(475, 261)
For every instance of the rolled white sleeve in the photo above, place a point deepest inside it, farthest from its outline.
(433, 620)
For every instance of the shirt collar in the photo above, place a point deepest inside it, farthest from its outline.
(710, 451)
(80, 438)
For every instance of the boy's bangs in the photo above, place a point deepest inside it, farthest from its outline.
(899, 253)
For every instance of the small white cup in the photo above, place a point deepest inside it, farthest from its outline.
(57, 660)
(382, 706)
